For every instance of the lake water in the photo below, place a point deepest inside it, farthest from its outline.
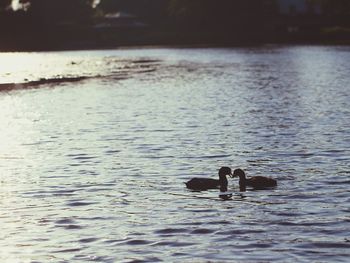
(96, 147)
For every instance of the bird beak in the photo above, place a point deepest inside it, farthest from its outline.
(231, 175)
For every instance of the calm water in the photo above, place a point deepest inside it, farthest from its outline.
(95, 147)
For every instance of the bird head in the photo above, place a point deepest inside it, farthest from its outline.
(225, 171)
(238, 173)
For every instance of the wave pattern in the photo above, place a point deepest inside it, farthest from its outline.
(28, 70)
(92, 165)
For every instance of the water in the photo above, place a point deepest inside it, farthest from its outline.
(96, 145)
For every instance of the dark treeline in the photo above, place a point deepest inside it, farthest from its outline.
(43, 24)
(60, 24)
(193, 14)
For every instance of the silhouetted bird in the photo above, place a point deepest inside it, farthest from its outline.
(257, 182)
(200, 184)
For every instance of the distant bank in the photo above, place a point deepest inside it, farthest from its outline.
(84, 39)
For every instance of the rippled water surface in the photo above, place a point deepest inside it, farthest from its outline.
(95, 147)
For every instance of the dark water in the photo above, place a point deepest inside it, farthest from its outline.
(95, 147)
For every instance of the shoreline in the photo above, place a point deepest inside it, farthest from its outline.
(181, 44)
(150, 46)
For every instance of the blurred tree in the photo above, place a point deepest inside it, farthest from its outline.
(142, 8)
(4, 4)
(53, 11)
(194, 14)
(334, 7)
(110, 5)
(189, 13)
(336, 14)
(151, 11)
(223, 14)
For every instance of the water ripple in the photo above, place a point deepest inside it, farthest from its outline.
(99, 143)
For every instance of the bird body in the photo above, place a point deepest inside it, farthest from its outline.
(256, 182)
(201, 184)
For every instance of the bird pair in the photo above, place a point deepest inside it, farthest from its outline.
(256, 182)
